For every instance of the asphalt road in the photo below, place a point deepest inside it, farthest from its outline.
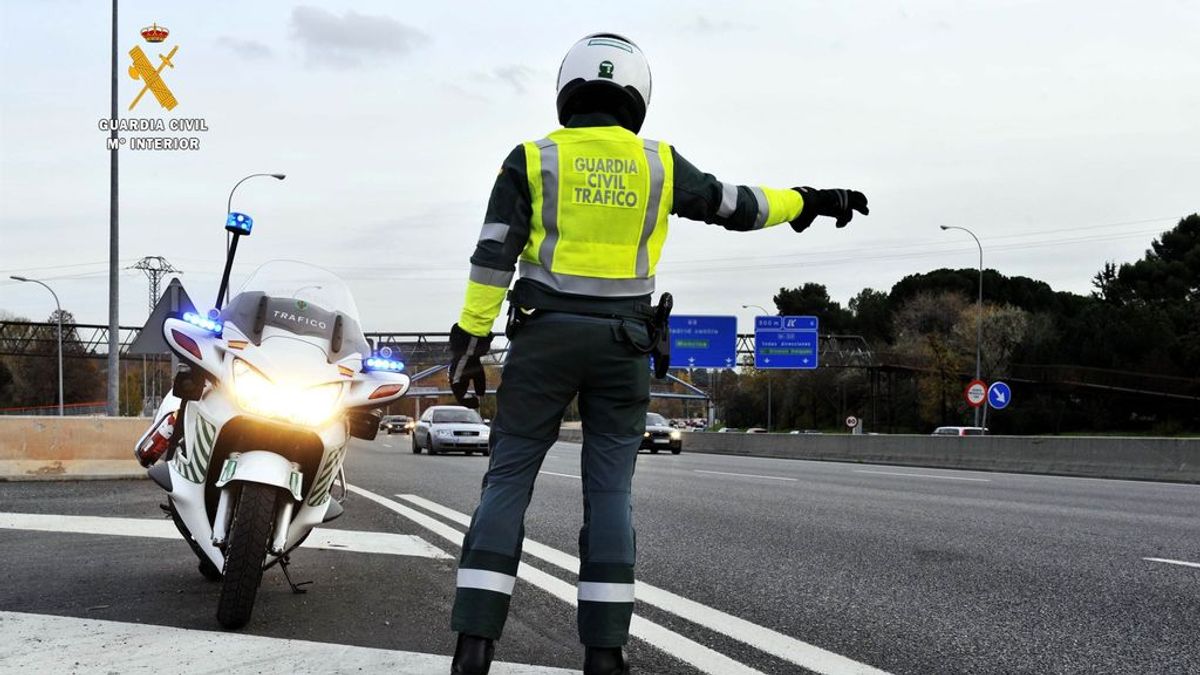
(744, 563)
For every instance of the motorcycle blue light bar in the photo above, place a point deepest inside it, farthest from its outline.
(203, 322)
(389, 365)
(239, 223)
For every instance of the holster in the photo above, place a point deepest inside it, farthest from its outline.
(658, 327)
(660, 335)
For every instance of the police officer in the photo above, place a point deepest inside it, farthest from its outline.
(583, 214)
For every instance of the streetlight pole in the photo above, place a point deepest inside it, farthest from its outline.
(765, 312)
(229, 205)
(58, 313)
(114, 297)
(978, 313)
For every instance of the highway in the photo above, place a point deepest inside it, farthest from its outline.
(745, 565)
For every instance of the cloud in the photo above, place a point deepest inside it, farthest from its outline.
(353, 39)
(515, 76)
(249, 49)
(708, 27)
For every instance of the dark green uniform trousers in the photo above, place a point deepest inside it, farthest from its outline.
(555, 357)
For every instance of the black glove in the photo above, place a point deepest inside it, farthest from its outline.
(467, 379)
(839, 204)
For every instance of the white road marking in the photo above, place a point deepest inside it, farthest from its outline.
(37, 643)
(387, 445)
(924, 475)
(564, 475)
(777, 644)
(1183, 563)
(682, 648)
(332, 540)
(744, 475)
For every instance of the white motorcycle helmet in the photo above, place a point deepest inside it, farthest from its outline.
(605, 72)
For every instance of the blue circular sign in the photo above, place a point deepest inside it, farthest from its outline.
(999, 395)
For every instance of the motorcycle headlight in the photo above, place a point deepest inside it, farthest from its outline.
(309, 406)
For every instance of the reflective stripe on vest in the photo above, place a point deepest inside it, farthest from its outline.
(600, 199)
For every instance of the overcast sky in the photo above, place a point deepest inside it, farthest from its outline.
(1065, 134)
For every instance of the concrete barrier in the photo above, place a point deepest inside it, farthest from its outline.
(69, 448)
(1160, 459)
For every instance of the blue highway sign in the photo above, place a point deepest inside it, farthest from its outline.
(703, 341)
(999, 395)
(785, 342)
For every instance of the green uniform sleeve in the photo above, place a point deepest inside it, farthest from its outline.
(501, 240)
(700, 196)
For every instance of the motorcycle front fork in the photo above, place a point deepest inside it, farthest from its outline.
(283, 518)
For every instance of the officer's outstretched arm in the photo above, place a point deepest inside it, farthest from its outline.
(700, 196)
(503, 236)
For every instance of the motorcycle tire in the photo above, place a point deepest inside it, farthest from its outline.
(249, 536)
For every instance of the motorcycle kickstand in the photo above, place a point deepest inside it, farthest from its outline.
(296, 588)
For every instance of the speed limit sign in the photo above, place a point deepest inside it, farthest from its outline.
(976, 393)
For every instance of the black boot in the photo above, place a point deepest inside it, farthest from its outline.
(473, 655)
(604, 661)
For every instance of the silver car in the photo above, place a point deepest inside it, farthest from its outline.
(450, 428)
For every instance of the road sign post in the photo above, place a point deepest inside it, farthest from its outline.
(703, 341)
(998, 396)
(785, 342)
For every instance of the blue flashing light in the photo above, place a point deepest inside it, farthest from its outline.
(207, 324)
(239, 223)
(375, 363)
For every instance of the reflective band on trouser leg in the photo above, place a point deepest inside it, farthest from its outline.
(486, 580)
(548, 152)
(656, 189)
(485, 586)
(605, 604)
(597, 591)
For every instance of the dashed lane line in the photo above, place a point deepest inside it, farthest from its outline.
(764, 639)
(682, 648)
(744, 475)
(333, 540)
(1182, 563)
(38, 643)
(924, 475)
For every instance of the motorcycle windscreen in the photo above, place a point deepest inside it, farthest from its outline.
(300, 299)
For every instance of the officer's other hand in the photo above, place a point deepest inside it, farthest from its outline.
(838, 204)
(468, 381)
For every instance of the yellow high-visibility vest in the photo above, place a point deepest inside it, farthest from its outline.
(600, 198)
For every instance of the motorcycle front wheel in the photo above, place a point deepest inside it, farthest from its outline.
(249, 536)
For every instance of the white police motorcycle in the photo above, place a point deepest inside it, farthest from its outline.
(255, 429)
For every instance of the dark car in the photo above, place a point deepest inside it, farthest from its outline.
(450, 428)
(659, 435)
(395, 424)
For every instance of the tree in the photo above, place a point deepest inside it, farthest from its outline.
(34, 378)
(872, 315)
(813, 300)
(925, 333)
(1004, 328)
